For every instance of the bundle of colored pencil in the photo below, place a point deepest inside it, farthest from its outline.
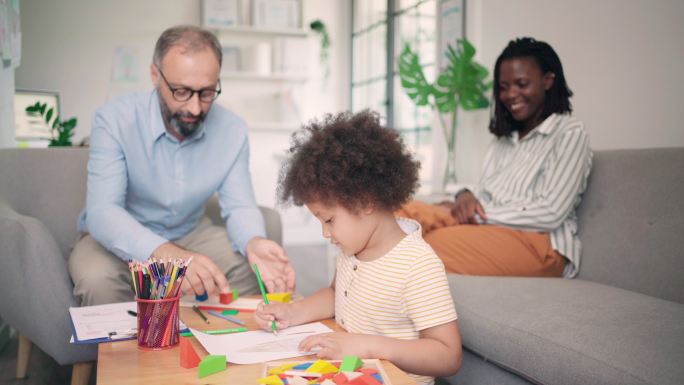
(158, 279)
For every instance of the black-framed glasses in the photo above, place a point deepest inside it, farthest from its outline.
(183, 94)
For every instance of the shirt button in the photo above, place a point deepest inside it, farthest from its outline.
(345, 293)
(342, 321)
(355, 267)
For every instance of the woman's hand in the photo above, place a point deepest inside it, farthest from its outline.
(465, 207)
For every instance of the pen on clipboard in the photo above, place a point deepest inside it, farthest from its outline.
(263, 293)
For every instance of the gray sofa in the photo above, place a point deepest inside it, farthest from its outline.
(42, 192)
(621, 321)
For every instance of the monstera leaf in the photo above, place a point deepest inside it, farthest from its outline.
(412, 77)
(462, 83)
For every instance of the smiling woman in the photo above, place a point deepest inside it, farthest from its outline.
(520, 220)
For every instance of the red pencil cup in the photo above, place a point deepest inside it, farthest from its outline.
(158, 323)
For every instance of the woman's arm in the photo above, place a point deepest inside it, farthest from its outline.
(564, 181)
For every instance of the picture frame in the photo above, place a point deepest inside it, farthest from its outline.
(231, 59)
(276, 13)
(451, 25)
(27, 126)
(221, 14)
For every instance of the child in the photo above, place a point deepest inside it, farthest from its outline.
(390, 291)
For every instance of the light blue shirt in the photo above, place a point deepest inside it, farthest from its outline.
(146, 188)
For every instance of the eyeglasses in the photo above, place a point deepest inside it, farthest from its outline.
(183, 94)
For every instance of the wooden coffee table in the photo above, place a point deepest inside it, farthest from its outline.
(123, 363)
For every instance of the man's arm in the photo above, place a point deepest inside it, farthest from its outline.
(106, 217)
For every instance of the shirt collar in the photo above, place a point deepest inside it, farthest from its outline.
(544, 128)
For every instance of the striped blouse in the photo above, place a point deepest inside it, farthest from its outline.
(397, 295)
(536, 183)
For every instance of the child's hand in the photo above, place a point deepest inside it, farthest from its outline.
(337, 345)
(280, 312)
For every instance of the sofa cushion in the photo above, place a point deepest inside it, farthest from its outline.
(631, 222)
(562, 331)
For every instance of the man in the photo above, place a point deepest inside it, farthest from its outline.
(155, 159)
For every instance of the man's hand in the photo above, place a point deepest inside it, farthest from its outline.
(465, 207)
(274, 266)
(202, 276)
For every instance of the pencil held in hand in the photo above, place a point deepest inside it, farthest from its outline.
(263, 293)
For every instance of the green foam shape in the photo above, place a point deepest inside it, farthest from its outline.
(351, 364)
(230, 312)
(210, 365)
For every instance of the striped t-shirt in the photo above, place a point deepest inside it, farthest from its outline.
(536, 183)
(397, 295)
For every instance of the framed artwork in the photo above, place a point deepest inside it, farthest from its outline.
(452, 25)
(276, 13)
(220, 13)
(231, 58)
(31, 127)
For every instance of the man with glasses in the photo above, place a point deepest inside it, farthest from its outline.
(155, 159)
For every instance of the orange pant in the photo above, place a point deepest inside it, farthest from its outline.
(484, 249)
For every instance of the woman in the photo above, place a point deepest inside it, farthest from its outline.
(520, 220)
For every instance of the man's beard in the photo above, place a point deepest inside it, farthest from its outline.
(174, 121)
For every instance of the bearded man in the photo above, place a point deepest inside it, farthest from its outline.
(155, 159)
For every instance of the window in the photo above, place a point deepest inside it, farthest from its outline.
(380, 28)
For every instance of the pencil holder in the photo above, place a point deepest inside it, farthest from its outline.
(158, 323)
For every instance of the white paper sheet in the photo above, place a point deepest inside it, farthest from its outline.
(259, 346)
(92, 322)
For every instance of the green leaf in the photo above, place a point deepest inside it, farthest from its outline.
(41, 108)
(412, 77)
(48, 116)
(55, 122)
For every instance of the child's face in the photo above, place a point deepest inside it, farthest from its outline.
(348, 230)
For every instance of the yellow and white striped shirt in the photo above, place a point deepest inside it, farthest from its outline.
(536, 183)
(397, 295)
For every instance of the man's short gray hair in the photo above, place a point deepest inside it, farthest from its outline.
(190, 38)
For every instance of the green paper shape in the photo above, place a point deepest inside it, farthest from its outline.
(230, 312)
(351, 364)
(211, 364)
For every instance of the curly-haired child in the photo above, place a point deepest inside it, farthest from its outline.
(390, 291)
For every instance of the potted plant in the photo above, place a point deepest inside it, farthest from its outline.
(61, 131)
(461, 84)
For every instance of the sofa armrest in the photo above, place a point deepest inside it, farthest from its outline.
(36, 288)
(274, 228)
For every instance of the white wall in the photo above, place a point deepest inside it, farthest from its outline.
(68, 46)
(622, 59)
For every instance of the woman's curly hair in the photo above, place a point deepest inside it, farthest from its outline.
(350, 160)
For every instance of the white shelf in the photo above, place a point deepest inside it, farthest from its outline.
(295, 32)
(249, 76)
(274, 126)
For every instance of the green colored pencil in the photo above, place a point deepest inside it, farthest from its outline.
(263, 292)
